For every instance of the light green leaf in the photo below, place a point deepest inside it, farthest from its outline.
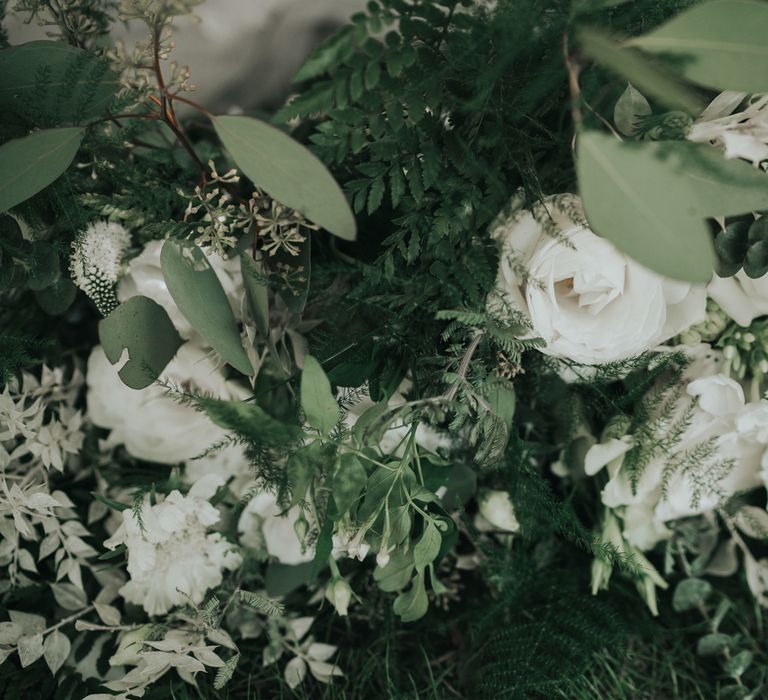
(348, 481)
(77, 85)
(250, 421)
(642, 197)
(287, 171)
(413, 604)
(629, 107)
(301, 468)
(56, 650)
(198, 294)
(30, 649)
(721, 44)
(690, 593)
(320, 407)
(425, 551)
(649, 78)
(396, 574)
(69, 596)
(143, 327)
(30, 164)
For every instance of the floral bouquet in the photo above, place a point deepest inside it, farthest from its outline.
(439, 372)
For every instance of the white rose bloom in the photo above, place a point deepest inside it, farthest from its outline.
(719, 453)
(740, 296)
(589, 302)
(145, 278)
(261, 525)
(150, 424)
(172, 558)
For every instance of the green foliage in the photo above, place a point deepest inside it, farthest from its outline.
(287, 171)
(742, 243)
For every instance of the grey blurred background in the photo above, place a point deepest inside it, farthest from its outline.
(242, 53)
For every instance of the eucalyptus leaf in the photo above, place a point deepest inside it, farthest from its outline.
(651, 79)
(141, 326)
(58, 297)
(651, 199)
(320, 407)
(690, 593)
(287, 171)
(30, 164)
(76, 85)
(720, 44)
(256, 292)
(199, 295)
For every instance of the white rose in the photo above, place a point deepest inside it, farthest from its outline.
(150, 424)
(261, 524)
(589, 302)
(741, 297)
(718, 454)
(145, 277)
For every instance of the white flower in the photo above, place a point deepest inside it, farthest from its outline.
(95, 261)
(229, 462)
(740, 296)
(496, 512)
(172, 558)
(261, 524)
(718, 454)
(741, 134)
(589, 302)
(150, 424)
(145, 277)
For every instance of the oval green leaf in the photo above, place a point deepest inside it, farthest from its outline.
(198, 294)
(49, 83)
(320, 407)
(141, 326)
(721, 44)
(30, 164)
(650, 200)
(287, 171)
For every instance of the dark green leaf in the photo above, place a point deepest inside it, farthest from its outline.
(413, 604)
(141, 326)
(287, 171)
(320, 407)
(250, 421)
(690, 593)
(348, 481)
(198, 294)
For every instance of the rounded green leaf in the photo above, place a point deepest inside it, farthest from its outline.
(51, 82)
(721, 44)
(651, 199)
(348, 481)
(287, 171)
(141, 326)
(320, 407)
(30, 164)
(198, 294)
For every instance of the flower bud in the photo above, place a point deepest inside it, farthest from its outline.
(339, 594)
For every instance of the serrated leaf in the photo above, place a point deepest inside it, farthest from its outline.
(143, 327)
(56, 650)
(287, 171)
(30, 164)
(320, 407)
(200, 297)
(720, 44)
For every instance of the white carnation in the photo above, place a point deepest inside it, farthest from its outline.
(172, 556)
(589, 302)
